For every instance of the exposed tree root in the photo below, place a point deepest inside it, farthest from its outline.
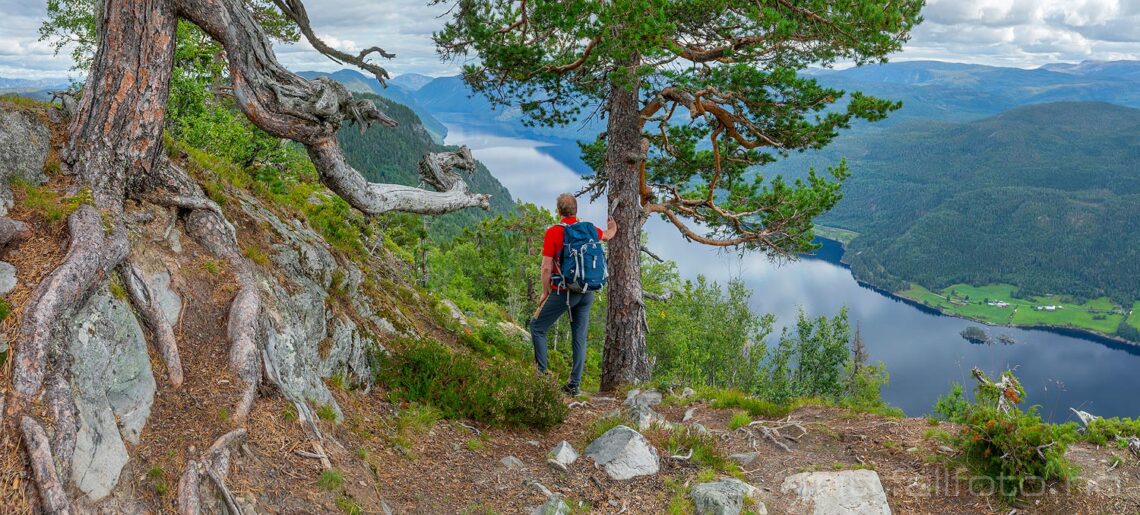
(52, 496)
(214, 464)
(61, 407)
(303, 411)
(163, 335)
(91, 254)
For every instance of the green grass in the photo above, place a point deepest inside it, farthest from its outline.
(331, 480)
(739, 420)
(600, 426)
(1100, 315)
(349, 506)
(326, 412)
(475, 444)
(843, 236)
(1134, 319)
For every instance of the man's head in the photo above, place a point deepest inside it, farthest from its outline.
(567, 205)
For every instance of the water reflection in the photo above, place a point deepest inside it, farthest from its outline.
(922, 351)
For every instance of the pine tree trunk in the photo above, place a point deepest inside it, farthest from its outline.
(116, 136)
(624, 360)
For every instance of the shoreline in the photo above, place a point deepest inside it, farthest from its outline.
(1076, 332)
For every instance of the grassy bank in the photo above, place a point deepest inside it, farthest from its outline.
(996, 304)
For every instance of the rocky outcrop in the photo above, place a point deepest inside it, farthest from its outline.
(624, 454)
(113, 389)
(307, 340)
(24, 144)
(638, 397)
(725, 497)
(837, 493)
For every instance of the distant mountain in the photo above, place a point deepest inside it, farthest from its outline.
(961, 92)
(357, 82)
(411, 81)
(1045, 197)
(35, 88)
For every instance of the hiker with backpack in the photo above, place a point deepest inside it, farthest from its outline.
(573, 268)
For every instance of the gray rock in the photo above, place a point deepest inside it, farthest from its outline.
(513, 329)
(624, 454)
(114, 389)
(724, 497)
(745, 459)
(553, 506)
(455, 312)
(24, 145)
(700, 428)
(687, 392)
(7, 278)
(835, 493)
(689, 414)
(512, 463)
(564, 453)
(645, 417)
(168, 300)
(644, 398)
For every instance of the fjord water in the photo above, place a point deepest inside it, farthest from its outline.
(923, 351)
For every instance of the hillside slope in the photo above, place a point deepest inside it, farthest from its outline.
(1043, 197)
(347, 340)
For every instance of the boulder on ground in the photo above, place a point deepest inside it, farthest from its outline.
(624, 454)
(644, 398)
(835, 493)
(724, 497)
(564, 453)
(553, 506)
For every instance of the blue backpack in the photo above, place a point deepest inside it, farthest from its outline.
(582, 264)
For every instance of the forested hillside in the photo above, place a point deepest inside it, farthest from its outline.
(392, 156)
(1045, 197)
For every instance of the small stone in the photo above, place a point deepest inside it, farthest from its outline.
(553, 506)
(7, 278)
(724, 497)
(538, 487)
(624, 454)
(533, 443)
(946, 449)
(557, 466)
(564, 454)
(512, 463)
(689, 414)
(644, 398)
(912, 449)
(745, 459)
(645, 416)
(701, 429)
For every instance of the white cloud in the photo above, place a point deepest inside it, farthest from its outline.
(1024, 33)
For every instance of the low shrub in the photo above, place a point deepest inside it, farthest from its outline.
(493, 391)
(1015, 448)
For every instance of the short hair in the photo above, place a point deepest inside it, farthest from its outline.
(567, 205)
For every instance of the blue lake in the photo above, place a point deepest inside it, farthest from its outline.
(922, 350)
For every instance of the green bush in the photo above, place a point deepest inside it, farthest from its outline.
(952, 407)
(1015, 448)
(493, 391)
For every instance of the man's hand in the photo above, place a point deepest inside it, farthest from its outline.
(611, 229)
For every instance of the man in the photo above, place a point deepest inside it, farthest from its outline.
(557, 300)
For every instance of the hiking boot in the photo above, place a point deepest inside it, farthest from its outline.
(570, 390)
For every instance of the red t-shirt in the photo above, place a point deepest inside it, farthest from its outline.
(552, 242)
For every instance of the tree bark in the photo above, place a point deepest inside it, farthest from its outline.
(624, 360)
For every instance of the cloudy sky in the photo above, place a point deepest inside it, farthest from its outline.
(1021, 33)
